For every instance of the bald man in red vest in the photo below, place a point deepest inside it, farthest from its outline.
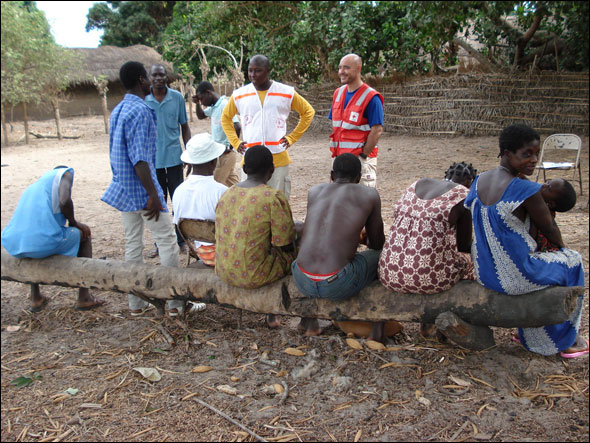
(357, 118)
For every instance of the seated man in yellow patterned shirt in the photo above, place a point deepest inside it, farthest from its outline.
(254, 229)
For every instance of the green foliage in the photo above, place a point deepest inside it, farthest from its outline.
(33, 66)
(570, 20)
(23, 382)
(306, 39)
(130, 22)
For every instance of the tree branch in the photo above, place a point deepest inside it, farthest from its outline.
(473, 52)
(524, 39)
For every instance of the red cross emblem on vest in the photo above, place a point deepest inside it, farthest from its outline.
(354, 116)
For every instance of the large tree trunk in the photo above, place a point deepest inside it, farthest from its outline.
(26, 123)
(469, 300)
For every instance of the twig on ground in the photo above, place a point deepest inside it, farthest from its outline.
(377, 356)
(37, 135)
(458, 431)
(268, 362)
(231, 420)
(285, 393)
(166, 334)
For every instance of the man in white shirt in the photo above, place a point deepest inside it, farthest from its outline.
(198, 195)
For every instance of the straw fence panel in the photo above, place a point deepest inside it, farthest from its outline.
(476, 104)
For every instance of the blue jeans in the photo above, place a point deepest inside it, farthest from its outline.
(348, 282)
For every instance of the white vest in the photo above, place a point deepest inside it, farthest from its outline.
(264, 125)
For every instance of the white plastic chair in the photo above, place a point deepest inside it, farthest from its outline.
(558, 142)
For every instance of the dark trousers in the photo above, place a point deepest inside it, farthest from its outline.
(170, 179)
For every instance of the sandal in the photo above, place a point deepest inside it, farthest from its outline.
(191, 309)
(138, 312)
(577, 353)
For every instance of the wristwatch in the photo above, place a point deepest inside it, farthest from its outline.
(363, 155)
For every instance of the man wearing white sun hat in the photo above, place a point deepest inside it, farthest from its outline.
(198, 195)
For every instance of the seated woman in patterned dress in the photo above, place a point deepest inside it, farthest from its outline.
(254, 229)
(503, 206)
(427, 250)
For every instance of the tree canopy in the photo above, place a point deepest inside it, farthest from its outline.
(305, 39)
(33, 65)
(130, 22)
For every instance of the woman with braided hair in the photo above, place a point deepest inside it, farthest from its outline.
(429, 242)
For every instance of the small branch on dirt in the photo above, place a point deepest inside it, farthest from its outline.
(456, 434)
(63, 435)
(54, 136)
(166, 334)
(268, 362)
(378, 356)
(231, 420)
(285, 393)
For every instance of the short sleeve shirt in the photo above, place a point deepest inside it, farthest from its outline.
(170, 114)
(214, 112)
(197, 198)
(250, 225)
(373, 111)
(132, 139)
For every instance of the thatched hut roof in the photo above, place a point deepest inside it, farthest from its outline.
(107, 60)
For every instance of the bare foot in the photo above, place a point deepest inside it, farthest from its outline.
(272, 321)
(39, 304)
(310, 327)
(90, 303)
(311, 332)
(378, 332)
(427, 330)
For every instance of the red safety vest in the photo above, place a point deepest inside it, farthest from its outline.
(350, 128)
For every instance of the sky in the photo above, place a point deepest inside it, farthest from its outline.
(68, 23)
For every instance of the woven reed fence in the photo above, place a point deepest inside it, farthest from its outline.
(481, 104)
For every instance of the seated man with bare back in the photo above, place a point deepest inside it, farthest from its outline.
(328, 265)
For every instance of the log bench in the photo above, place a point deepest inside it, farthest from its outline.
(468, 307)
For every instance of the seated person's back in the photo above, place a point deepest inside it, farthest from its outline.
(328, 265)
(428, 247)
(336, 214)
(254, 228)
(197, 197)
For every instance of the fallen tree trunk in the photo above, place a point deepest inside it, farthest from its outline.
(469, 300)
(37, 135)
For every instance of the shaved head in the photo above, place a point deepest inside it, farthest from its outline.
(260, 60)
(349, 71)
(352, 59)
(258, 72)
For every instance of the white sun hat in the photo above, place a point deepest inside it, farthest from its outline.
(201, 148)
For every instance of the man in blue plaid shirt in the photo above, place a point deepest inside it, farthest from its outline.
(134, 189)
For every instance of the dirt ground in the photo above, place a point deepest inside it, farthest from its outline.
(414, 390)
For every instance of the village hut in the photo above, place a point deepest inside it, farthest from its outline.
(102, 62)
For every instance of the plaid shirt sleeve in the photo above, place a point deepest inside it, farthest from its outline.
(133, 138)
